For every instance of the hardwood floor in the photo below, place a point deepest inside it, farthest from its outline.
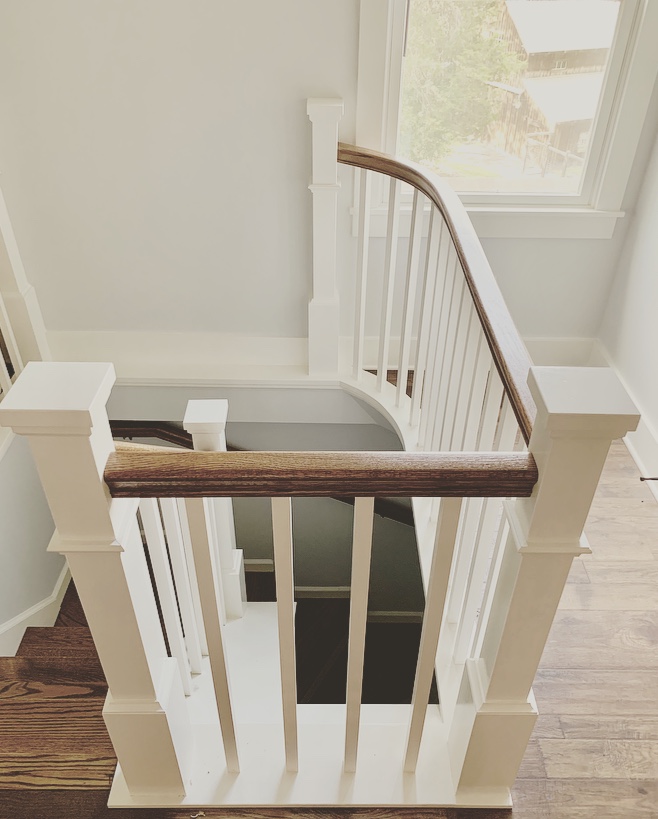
(594, 753)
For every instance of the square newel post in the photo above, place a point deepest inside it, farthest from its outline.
(205, 420)
(60, 408)
(580, 411)
(323, 310)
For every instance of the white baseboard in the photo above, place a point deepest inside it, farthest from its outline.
(43, 613)
(643, 443)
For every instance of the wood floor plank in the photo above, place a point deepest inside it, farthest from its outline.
(600, 759)
(597, 693)
(619, 596)
(53, 670)
(608, 639)
(604, 727)
(49, 770)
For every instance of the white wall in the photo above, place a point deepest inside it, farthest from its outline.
(28, 574)
(629, 330)
(155, 156)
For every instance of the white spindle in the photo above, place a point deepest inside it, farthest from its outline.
(466, 384)
(362, 272)
(392, 235)
(191, 567)
(5, 379)
(475, 408)
(208, 581)
(157, 548)
(447, 268)
(361, 551)
(445, 372)
(444, 544)
(491, 410)
(409, 303)
(477, 533)
(285, 605)
(9, 339)
(206, 420)
(431, 287)
(490, 583)
(466, 317)
(172, 527)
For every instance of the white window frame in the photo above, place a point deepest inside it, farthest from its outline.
(591, 213)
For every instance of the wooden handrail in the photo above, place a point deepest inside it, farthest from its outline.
(507, 347)
(152, 473)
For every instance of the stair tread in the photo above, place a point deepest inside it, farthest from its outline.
(22, 690)
(71, 613)
(42, 641)
(52, 670)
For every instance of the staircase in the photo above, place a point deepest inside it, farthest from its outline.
(56, 758)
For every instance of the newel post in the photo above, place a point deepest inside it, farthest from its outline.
(60, 408)
(323, 310)
(205, 420)
(580, 411)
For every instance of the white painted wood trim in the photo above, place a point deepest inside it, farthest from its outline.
(361, 551)
(43, 613)
(283, 569)
(446, 533)
(209, 593)
(155, 540)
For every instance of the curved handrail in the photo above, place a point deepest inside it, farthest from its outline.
(507, 347)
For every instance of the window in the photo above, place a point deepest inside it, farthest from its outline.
(547, 161)
(481, 103)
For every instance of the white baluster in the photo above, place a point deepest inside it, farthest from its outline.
(409, 302)
(157, 548)
(191, 624)
(456, 434)
(444, 545)
(361, 551)
(431, 286)
(447, 269)
(476, 400)
(191, 568)
(466, 318)
(392, 233)
(285, 606)
(206, 421)
(481, 551)
(5, 379)
(361, 272)
(61, 409)
(207, 576)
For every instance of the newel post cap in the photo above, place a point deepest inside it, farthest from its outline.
(52, 397)
(206, 416)
(583, 401)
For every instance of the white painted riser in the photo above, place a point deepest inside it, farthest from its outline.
(252, 649)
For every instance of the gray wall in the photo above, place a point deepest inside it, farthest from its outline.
(27, 572)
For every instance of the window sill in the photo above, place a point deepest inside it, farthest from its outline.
(503, 222)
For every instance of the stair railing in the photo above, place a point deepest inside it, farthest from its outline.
(466, 751)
